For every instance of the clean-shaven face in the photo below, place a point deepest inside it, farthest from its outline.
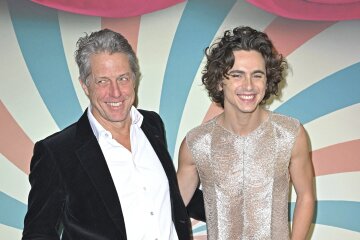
(110, 88)
(246, 86)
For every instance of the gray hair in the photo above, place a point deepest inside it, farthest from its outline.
(104, 41)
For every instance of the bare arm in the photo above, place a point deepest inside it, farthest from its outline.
(186, 173)
(301, 171)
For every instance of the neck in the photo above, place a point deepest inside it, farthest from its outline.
(120, 131)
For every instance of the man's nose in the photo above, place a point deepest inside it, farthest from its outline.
(115, 89)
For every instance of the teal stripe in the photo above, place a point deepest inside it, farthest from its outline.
(12, 211)
(197, 27)
(38, 33)
(340, 214)
(337, 91)
(199, 229)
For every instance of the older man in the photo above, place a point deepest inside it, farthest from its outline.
(109, 175)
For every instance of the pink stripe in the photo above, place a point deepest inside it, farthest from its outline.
(338, 158)
(287, 34)
(194, 222)
(109, 8)
(325, 10)
(15, 145)
(203, 237)
(128, 27)
(333, 1)
(213, 111)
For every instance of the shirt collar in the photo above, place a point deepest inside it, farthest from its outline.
(136, 119)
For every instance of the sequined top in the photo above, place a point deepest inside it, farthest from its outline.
(245, 179)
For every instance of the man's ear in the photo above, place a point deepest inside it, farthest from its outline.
(220, 86)
(84, 86)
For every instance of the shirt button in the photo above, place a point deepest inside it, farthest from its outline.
(152, 213)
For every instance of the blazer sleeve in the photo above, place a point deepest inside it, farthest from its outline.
(46, 197)
(195, 208)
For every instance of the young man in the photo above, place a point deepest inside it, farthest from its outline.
(245, 157)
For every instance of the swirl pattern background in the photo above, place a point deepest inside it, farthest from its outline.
(39, 92)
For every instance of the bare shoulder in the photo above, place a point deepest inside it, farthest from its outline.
(185, 156)
(301, 164)
(302, 143)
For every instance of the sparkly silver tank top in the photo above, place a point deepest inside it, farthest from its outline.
(245, 179)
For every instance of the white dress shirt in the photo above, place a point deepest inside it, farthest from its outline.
(140, 182)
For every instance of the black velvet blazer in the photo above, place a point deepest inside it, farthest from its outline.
(72, 192)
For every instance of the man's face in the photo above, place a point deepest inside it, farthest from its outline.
(246, 86)
(110, 88)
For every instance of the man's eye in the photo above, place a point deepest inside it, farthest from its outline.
(101, 81)
(124, 79)
(235, 75)
(260, 76)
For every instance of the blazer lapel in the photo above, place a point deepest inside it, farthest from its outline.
(94, 163)
(160, 149)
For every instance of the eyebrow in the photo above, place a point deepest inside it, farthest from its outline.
(124, 75)
(242, 72)
(121, 75)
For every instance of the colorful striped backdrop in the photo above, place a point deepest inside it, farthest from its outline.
(40, 94)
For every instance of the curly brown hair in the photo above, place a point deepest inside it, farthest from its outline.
(220, 59)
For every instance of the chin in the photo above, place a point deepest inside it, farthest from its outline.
(248, 110)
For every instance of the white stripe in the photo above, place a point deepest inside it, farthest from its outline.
(73, 27)
(195, 109)
(17, 91)
(336, 48)
(156, 36)
(337, 127)
(7, 232)
(336, 187)
(332, 233)
(13, 181)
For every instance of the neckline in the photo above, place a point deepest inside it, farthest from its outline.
(253, 132)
